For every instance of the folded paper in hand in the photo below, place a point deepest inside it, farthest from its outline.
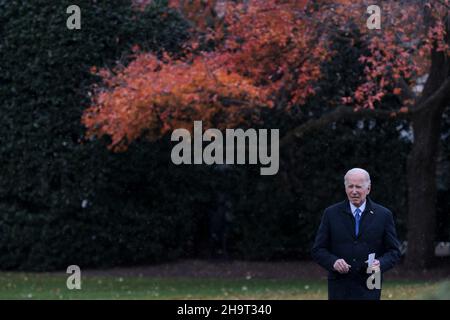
(370, 259)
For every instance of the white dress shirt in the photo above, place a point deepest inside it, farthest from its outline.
(361, 208)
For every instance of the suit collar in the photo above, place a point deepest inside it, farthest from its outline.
(345, 207)
(361, 208)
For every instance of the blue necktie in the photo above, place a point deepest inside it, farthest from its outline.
(357, 217)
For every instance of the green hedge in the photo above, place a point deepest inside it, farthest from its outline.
(46, 173)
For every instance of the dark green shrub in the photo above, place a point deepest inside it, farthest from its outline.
(47, 176)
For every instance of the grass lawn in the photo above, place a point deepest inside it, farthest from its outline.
(51, 286)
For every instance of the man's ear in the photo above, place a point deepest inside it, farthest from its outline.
(368, 189)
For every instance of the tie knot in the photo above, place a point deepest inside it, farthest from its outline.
(357, 212)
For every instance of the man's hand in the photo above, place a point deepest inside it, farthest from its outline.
(341, 266)
(375, 265)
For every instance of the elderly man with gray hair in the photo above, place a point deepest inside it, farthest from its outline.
(356, 242)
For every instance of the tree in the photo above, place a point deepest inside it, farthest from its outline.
(267, 54)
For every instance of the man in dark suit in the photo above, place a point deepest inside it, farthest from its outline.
(348, 233)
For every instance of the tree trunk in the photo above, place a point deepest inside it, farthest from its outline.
(421, 163)
(421, 171)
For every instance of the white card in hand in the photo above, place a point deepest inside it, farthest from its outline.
(370, 259)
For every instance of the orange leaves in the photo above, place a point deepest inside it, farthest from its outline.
(156, 96)
(267, 48)
(273, 45)
(397, 91)
(265, 51)
(346, 100)
(404, 110)
(135, 48)
(400, 50)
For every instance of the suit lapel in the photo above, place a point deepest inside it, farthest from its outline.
(348, 219)
(366, 218)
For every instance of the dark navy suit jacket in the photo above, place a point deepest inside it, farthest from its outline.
(336, 239)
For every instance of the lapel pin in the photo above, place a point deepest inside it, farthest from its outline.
(371, 211)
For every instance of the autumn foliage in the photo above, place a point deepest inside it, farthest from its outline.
(267, 54)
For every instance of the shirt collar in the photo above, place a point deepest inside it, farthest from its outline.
(361, 207)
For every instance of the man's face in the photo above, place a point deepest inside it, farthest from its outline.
(357, 188)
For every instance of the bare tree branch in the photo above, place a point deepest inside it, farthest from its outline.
(443, 93)
(407, 93)
(336, 115)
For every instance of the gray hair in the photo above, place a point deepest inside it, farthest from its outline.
(358, 170)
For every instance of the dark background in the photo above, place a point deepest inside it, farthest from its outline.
(65, 200)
